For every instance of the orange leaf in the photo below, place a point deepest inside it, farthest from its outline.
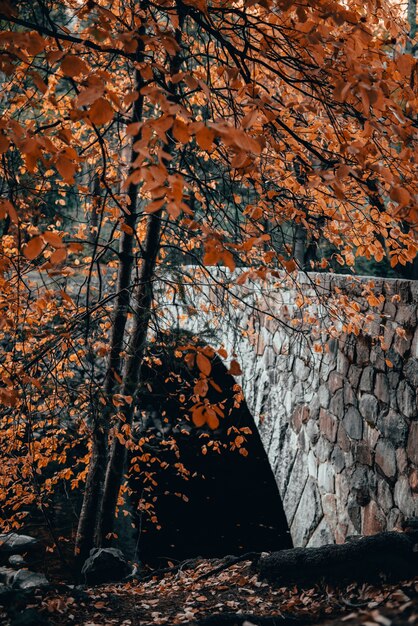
(211, 419)
(33, 248)
(66, 167)
(73, 66)
(101, 112)
(205, 137)
(235, 368)
(54, 239)
(58, 256)
(180, 131)
(198, 416)
(203, 364)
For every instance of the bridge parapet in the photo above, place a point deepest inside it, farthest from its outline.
(332, 387)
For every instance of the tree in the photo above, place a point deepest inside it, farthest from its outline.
(188, 127)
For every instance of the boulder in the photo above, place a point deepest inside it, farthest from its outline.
(105, 565)
(12, 543)
(26, 580)
(17, 560)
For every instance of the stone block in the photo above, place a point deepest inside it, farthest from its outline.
(343, 364)
(329, 508)
(404, 498)
(295, 486)
(401, 460)
(326, 476)
(338, 460)
(328, 425)
(381, 388)
(367, 379)
(369, 408)
(312, 465)
(385, 457)
(362, 453)
(395, 519)
(323, 450)
(394, 427)
(363, 345)
(373, 519)
(406, 399)
(349, 395)
(412, 447)
(342, 439)
(300, 415)
(413, 481)
(312, 431)
(410, 370)
(321, 536)
(384, 495)
(336, 405)
(360, 486)
(354, 374)
(335, 382)
(353, 423)
(324, 396)
(308, 514)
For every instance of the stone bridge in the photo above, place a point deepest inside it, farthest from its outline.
(337, 413)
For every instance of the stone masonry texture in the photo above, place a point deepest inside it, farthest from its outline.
(340, 426)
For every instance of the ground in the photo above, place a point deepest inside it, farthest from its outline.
(190, 595)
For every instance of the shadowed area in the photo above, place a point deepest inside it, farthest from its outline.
(230, 503)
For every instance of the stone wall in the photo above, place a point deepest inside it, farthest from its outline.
(337, 414)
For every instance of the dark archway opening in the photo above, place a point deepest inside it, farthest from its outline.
(230, 503)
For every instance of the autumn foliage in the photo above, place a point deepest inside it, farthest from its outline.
(137, 136)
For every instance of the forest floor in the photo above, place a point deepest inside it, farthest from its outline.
(233, 596)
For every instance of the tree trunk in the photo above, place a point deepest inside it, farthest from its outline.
(389, 554)
(131, 377)
(137, 344)
(93, 492)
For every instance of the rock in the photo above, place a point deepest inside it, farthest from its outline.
(336, 406)
(354, 374)
(413, 481)
(323, 450)
(335, 382)
(360, 486)
(312, 431)
(17, 560)
(353, 423)
(385, 457)
(373, 519)
(381, 388)
(25, 580)
(295, 485)
(328, 425)
(308, 514)
(321, 536)
(326, 478)
(367, 379)
(406, 399)
(412, 447)
(403, 497)
(12, 543)
(362, 453)
(410, 370)
(394, 427)
(369, 408)
(338, 460)
(7, 575)
(105, 565)
(324, 396)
